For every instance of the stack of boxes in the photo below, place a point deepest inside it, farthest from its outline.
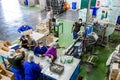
(115, 72)
(5, 74)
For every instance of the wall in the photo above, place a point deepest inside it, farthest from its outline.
(42, 4)
(115, 11)
(84, 3)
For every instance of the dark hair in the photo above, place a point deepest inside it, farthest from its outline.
(80, 19)
(103, 11)
(27, 35)
(40, 42)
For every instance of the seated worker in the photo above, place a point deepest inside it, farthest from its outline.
(52, 51)
(15, 61)
(23, 42)
(40, 49)
(76, 28)
(31, 69)
(31, 42)
(23, 28)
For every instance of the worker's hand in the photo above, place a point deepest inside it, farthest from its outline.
(52, 57)
(28, 45)
(41, 66)
(40, 55)
(63, 47)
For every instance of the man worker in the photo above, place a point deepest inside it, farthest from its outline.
(48, 16)
(76, 28)
(31, 42)
(32, 70)
(23, 28)
(23, 42)
(49, 19)
(15, 61)
(40, 49)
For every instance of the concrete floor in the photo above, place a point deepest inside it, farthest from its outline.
(13, 15)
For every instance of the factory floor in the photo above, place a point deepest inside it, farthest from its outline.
(12, 15)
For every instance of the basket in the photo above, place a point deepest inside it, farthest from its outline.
(56, 68)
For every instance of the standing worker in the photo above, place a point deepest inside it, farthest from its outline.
(49, 19)
(31, 69)
(48, 16)
(16, 63)
(76, 28)
(40, 49)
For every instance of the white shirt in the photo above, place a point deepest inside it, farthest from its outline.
(48, 16)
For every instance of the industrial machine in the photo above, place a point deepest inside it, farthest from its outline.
(55, 5)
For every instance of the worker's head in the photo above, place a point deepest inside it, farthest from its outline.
(51, 11)
(31, 58)
(12, 53)
(103, 11)
(24, 24)
(55, 45)
(40, 43)
(80, 20)
(27, 37)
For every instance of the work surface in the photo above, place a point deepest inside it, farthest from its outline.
(69, 68)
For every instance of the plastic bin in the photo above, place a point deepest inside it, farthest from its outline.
(74, 5)
(94, 12)
(89, 30)
(26, 2)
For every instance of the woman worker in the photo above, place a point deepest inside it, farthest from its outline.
(40, 49)
(31, 69)
(52, 51)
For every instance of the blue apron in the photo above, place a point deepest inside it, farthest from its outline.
(19, 74)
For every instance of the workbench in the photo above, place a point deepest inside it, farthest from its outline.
(71, 70)
(37, 36)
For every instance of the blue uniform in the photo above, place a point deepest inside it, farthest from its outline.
(22, 28)
(31, 70)
(18, 73)
(38, 50)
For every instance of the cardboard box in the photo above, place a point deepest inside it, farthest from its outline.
(3, 77)
(49, 39)
(114, 71)
(113, 74)
(118, 76)
(5, 73)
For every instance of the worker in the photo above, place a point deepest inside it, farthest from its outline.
(49, 19)
(52, 52)
(103, 15)
(32, 70)
(24, 27)
(48, 16)
(23, 42)
(15, 61)
(76, 28)
(31, 42)
(40, 49)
